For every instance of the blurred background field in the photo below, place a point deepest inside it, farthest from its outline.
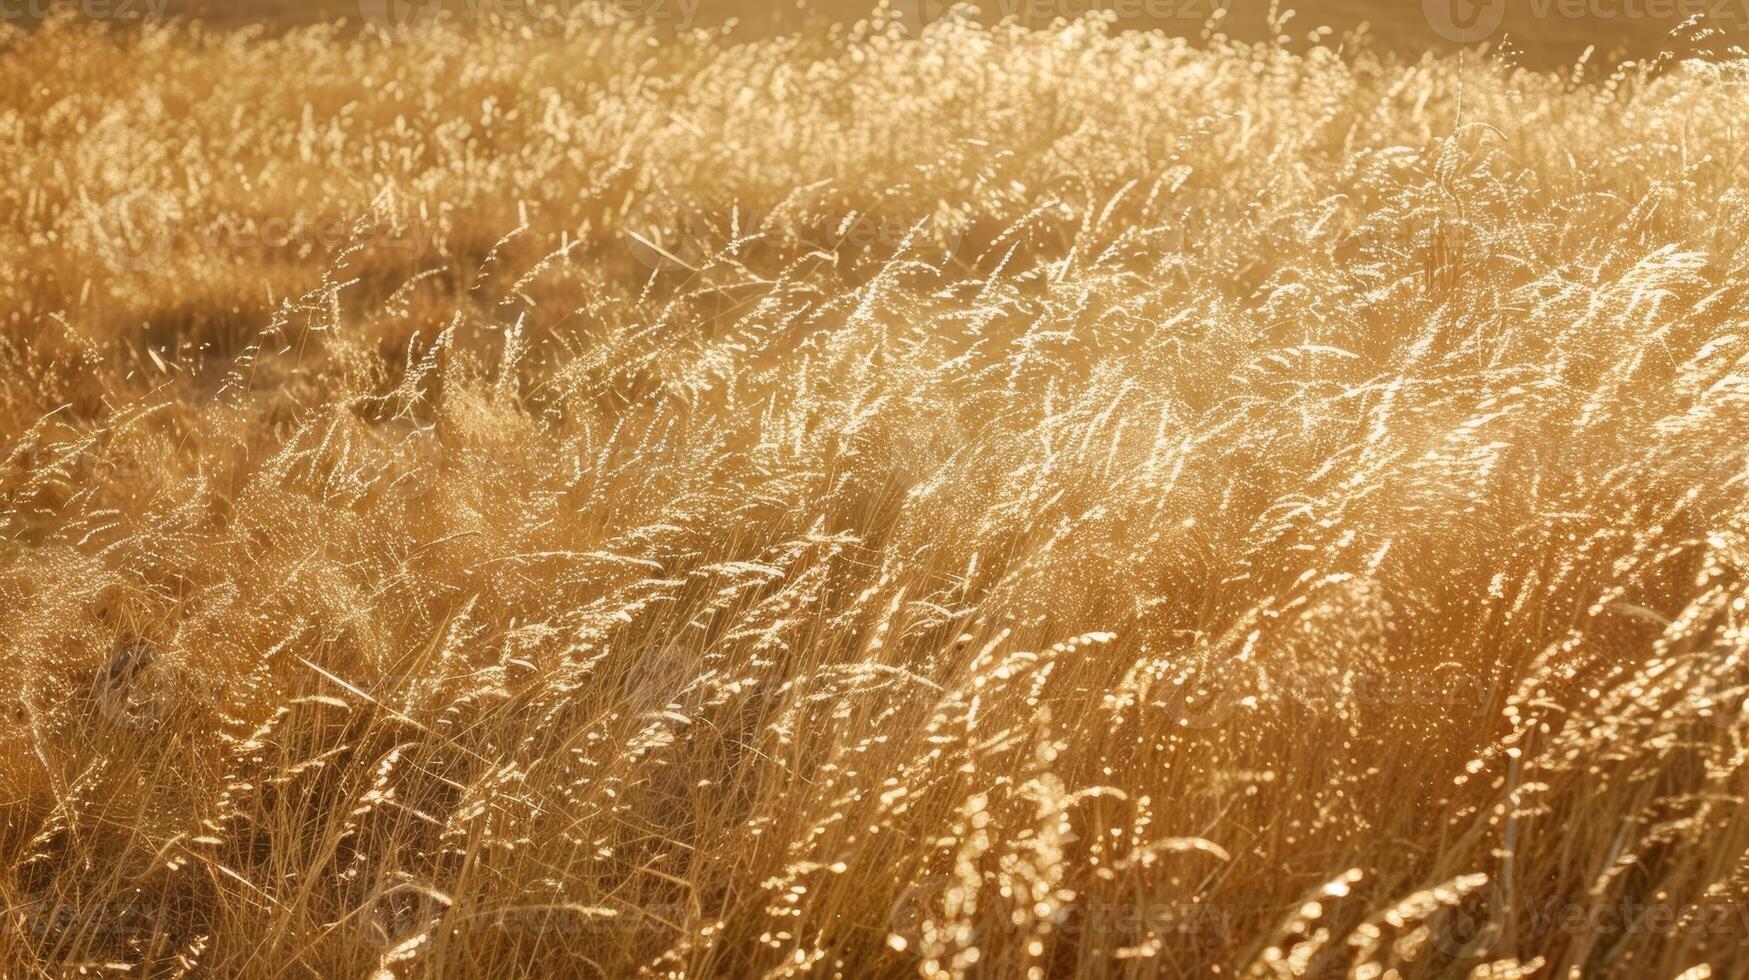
(1543, 33)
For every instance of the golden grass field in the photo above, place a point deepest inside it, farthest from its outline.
(571, 500)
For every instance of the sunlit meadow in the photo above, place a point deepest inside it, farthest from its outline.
(573, 498)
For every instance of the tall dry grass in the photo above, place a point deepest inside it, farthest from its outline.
(558, 502)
